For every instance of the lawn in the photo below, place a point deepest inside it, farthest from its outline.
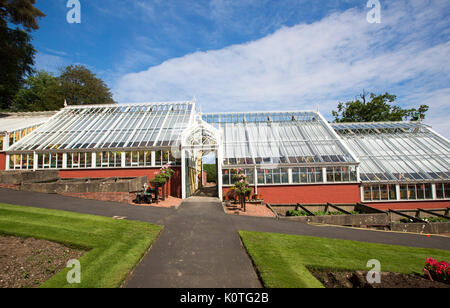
(115, 246)
(283, 260)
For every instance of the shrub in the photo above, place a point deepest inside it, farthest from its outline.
(293, 213)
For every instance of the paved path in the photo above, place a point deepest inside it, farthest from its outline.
(199, 246)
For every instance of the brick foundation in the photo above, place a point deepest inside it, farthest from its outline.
(174, 183)
(10, 186)
(309, 194)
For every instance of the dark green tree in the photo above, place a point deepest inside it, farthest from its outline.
(16, 62)
(41, 92)
(376, 108)
(16, 51)
(80, 86)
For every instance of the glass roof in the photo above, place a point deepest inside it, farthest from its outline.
(78, 128)
(275, 138)
(404, 151)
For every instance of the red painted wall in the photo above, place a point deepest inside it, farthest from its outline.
(309, 194)
(410, 205)
(2, 161)
(174, 184)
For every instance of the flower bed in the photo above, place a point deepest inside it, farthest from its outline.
(437, 271)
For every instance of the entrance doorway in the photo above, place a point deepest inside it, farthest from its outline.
(201, 158)
(207, 176)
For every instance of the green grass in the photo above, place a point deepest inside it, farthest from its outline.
(115, 246)
(283, 260)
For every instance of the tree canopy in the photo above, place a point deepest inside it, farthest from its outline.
(80, 86)
(20, 12)
(76, 85)
(376, 108)
(41, 92)
(16, 52)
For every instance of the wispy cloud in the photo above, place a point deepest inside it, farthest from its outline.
(320, 63)
(50, 62)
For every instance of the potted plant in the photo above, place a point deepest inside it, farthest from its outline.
(157, 182)
(241, 187)
(166, 172)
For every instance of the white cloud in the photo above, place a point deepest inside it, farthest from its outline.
(50, 62)
(321, 63)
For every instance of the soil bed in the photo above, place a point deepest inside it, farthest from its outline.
(27, 263)
(358, 279)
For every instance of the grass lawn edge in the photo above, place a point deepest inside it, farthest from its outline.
(285, 261)
(115, 247)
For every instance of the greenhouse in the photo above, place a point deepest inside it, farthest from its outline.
(295, 157)
(410, 160)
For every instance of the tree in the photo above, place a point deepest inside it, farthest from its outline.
(16, 61)
(20, 12)
(211, 172)
(16, 51)
(41, 92)
(80, 86)
(376, 108)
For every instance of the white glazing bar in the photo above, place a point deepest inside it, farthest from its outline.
(35, 161)
(88, 121)
(6, 142)
(54, 132)
(94, 160)
(162, 127)
(153, 157)
(123, 159)
(402, 155)
(127, 128)
(248, 137)
(137, 126)
(101, 142)
(149, 128)
(112, 132)
(39, 134)
(255, 179)
(75, 133)
(341, 142)
(219, 172)
(103, 125)
(64, 160)
(436, 162)
(95, 133)
(183, 174)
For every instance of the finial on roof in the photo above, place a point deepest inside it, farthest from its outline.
(65, 103)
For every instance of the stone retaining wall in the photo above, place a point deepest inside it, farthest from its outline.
(19, 177)
(429, 228)
(106, 189)
(345, 220)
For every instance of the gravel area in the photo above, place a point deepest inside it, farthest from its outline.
(257, 210)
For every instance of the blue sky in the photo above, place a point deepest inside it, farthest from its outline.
(255, 54)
